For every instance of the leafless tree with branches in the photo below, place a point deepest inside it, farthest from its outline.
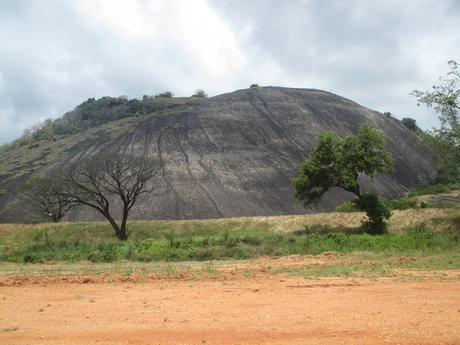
(96, 180)
(44, 197)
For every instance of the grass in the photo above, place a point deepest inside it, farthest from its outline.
(376, 269)
(366, 265)
(427, 196)
(433, 189)
(374, 265)
(426, 231)
(126, 269)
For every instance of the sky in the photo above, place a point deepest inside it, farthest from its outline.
(54, 54)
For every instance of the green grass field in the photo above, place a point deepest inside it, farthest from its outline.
(423, 232)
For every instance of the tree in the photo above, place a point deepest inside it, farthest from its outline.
(336, 162)
(444, 98)
(44, 196)
(166, 94)
(200, 94)
(96, 181)
(410, 123)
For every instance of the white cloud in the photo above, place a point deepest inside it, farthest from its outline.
(187, 39)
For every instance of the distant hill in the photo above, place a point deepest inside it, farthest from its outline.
(229, 155)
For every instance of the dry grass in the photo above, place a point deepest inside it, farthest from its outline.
(437, 219)
(451, 199)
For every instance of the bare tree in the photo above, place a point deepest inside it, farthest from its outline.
(44, 197)
(95, 181)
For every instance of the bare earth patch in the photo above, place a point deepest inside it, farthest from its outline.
(234, 303)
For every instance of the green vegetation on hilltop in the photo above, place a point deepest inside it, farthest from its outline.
(92, 113)
(41, 145)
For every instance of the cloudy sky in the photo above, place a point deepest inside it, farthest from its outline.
(56, 53)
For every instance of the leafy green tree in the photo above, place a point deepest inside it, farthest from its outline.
(444, 98)
(336, 162)
(166, 94)
(200, 94)
(410, 123)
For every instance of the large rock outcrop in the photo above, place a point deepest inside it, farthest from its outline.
(229, 155)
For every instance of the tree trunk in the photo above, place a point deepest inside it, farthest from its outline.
(57, 217)
(119, 232)
(124, 220)
(122, 235)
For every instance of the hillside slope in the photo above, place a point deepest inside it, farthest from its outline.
(229, 155)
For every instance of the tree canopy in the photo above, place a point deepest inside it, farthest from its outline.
(444, 98)
(410, 123)
(200, 94)
(338, 162)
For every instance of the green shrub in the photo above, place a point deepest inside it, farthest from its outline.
(96, 256)
(130, 252)
(403, 203)
(33, 258)
(410, 123)
(348, 206)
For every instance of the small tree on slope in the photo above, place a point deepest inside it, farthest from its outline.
(336, 162)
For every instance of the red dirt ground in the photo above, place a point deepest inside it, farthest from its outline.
(262, 309)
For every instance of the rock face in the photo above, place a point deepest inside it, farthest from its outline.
(231, 155)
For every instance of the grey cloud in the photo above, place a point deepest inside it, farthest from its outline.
(52, 56)
(366, 50)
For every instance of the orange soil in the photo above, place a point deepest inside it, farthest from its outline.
(228, 309)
